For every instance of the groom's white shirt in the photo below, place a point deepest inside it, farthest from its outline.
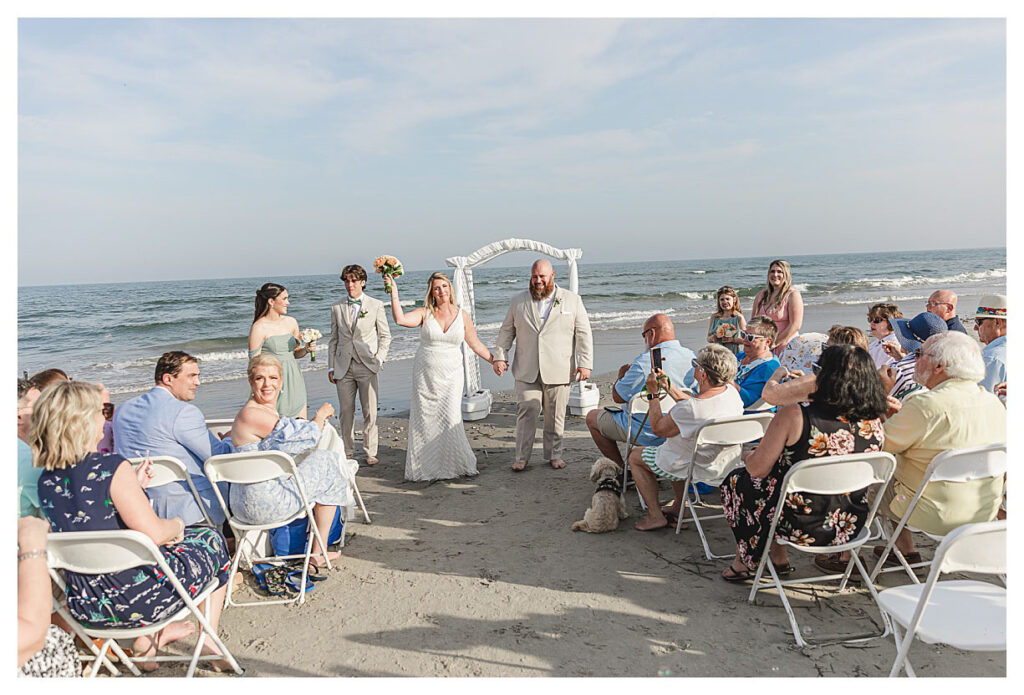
(548, 348)
(360, 333)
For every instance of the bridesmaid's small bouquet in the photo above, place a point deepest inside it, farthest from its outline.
(388, 267)
(308, 335)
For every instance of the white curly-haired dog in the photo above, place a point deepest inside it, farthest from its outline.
(606, 506)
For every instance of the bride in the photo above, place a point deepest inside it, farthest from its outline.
(438, 447)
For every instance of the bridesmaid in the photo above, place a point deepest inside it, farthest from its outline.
(780, 302)
(277, 333)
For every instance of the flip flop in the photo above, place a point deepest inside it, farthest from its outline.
(315, 573)
(294, 577)
(735, 576)
(270, 578)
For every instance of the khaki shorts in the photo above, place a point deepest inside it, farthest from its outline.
(888, 495)
(607, 426)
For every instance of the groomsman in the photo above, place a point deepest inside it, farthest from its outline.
(551, 329)
(360, 337)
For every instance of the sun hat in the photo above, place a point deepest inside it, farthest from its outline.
(913, 332)
(991, 306)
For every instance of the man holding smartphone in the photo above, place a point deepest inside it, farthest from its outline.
(608, 426)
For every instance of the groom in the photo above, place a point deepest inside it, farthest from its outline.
(550, 326)
(360, 337)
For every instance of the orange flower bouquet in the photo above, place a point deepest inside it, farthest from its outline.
(388, 267)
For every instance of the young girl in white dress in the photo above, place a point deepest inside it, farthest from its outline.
(438, 448)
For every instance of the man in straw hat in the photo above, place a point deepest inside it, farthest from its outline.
(990, 323)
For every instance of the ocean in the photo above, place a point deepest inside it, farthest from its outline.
(114, 332)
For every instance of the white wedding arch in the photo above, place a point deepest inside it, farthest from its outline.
(476, 402)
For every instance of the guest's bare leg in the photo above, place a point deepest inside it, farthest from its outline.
(148, 646)
(608, 447)
(778, 554)
(647, 486)
(324, 517)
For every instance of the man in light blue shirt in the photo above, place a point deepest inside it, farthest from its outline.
(163, 423)
(607, 427)
(990, 323)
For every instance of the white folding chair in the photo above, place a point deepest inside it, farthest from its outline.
(956, 466)
(167, 470)
(105, 552)
(219, 426)
(637, 405)
(828, 475)
(965, 614)
(719, 432)
(250, 467)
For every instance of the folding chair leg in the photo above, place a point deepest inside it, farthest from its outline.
(902, 653)
(359, 498)
(207, 629)
(102, 656)
(87, 641)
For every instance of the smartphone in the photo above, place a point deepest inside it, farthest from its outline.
(655, 358)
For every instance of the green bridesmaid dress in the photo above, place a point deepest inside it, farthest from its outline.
(292, 398)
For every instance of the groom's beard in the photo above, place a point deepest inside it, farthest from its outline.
(542, 293)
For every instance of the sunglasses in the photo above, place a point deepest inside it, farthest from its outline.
(643, 334)
(877, 320)
(747, 336)
(816, 368)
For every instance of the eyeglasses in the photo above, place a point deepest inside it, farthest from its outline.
(930, 303)
(644, 333)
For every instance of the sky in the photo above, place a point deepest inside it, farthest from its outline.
(176, 148)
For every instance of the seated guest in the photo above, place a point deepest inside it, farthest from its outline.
(881, 331)
(953, 414)
(841, 418)
(258, 427)
(161, 422)
(793, 386)
(46, 377)
(28, 475)
(713, 369)
(898, 378)
(44, 650)
(756, 362)
(607, 427)
(942, 303)
(83, 490)
(990, 323)
(107, 443)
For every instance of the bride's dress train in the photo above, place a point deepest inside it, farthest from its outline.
(438, 447)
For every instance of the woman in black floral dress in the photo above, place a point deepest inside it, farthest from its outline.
(842, 418)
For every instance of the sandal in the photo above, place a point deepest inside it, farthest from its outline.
(293, 579)
(315, 572)
(832, 564)
(735, 576)
(270, 578)
(784, 570)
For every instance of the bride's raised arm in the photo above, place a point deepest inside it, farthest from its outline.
(411, 320)
(473, 341)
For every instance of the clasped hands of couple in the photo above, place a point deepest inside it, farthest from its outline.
(501, 366)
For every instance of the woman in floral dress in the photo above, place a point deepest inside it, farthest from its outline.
(843, 417)
(83, 490)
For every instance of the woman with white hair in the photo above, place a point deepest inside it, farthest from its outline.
(713, 369)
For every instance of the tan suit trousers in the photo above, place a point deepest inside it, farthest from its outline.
(359, 378)
(530, 396)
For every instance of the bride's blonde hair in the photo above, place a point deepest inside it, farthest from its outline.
(429, 302)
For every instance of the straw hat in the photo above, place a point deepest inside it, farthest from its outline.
(991, 306)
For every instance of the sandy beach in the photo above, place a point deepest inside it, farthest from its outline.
(483, 577)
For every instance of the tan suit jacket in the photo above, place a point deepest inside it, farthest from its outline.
(367, 340)
(550, 349)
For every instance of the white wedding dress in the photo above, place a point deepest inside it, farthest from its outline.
(438, 447)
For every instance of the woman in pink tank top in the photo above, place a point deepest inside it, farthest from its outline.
(780, 302)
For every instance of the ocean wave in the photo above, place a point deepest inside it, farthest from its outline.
(877, 300)
(699, 272)
(918, 280)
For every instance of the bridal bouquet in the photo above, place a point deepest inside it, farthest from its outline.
(388, 266)
(308, 335)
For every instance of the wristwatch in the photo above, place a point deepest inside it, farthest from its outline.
(651, 396)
